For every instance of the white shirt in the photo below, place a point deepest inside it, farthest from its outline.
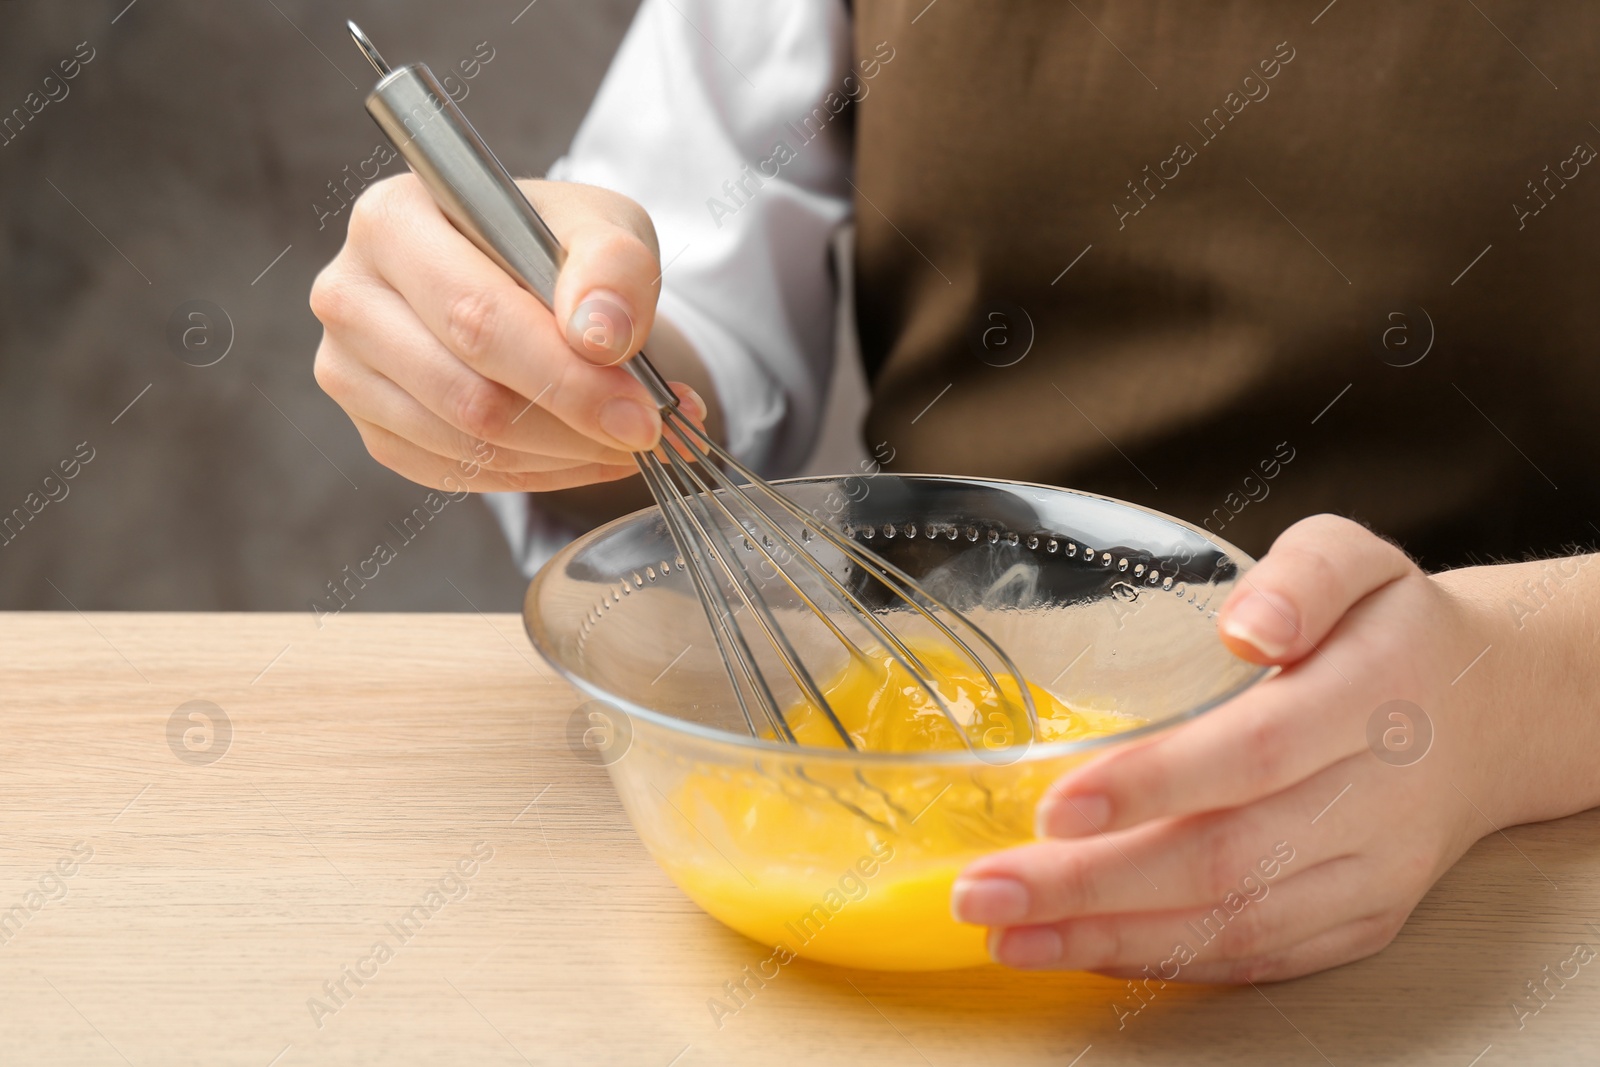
(718, 117)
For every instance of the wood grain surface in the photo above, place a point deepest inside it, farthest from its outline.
(173, 895)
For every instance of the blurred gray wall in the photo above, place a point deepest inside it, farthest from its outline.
(185, 156)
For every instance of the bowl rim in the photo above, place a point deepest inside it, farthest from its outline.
(947, 758)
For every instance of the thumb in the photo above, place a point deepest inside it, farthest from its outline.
(1316, 571)
(605, 298)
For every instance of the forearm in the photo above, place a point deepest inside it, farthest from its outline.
(1536, 689)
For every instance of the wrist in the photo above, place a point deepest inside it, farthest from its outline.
(1529, 705)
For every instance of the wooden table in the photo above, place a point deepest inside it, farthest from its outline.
(219, 877)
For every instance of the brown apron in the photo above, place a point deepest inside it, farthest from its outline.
(1239, 267)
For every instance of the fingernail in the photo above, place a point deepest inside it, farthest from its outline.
(1068, 816)
(1264, 621)
(1028, 946)
(635, 426)
(989, 901)
(601, 328)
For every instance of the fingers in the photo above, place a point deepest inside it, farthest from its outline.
(1346, 943)
(372, 335)
(692, 404)
(492, 325)
(394, 346)
(454, 476)
(1162, 865)
(1263, 741)
(693, 407)
(1179, 812)
(443, 361)
(1316, 571)
(606, 295)
(1308, 717)
(370, 397)
(1277, 918)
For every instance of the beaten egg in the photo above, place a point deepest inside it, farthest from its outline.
(854, 866)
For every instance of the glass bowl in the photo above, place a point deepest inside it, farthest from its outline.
(848, 856)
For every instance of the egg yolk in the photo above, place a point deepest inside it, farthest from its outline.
(852, 864)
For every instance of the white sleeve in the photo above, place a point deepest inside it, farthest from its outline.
(699, 96)
(722, 118)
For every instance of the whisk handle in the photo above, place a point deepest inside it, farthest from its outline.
(474, 190)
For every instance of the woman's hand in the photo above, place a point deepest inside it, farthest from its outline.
(456, 377)
(1295, 827)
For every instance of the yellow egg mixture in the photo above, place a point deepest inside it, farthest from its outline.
(853, 865)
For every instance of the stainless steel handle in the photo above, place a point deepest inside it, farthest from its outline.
(472, 188)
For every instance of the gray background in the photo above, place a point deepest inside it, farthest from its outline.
(195, 144)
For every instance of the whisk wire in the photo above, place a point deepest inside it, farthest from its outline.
(730, 641)
(728, 638)
(903, 584)
(721, 551)
(897, 649)
(687, 476)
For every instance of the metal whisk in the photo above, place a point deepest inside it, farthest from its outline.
(707, 498)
